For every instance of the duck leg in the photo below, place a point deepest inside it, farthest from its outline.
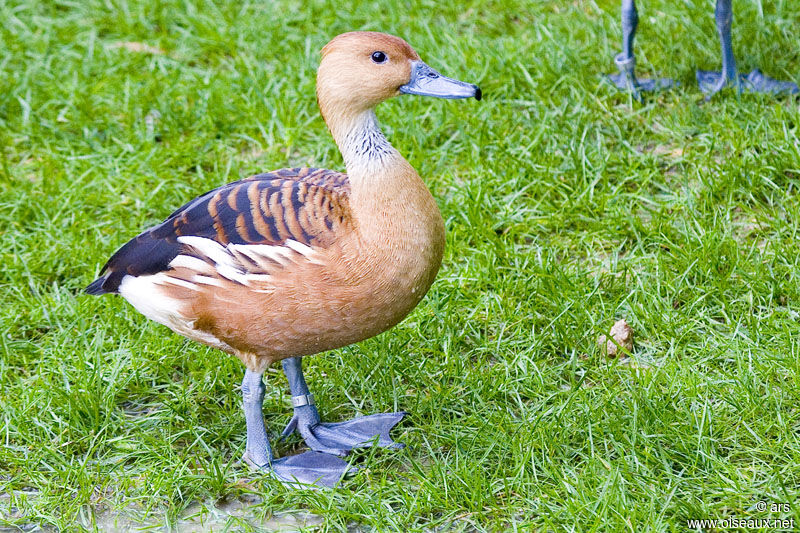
(305, 469)
(712, 82)
(337, 438)
(626, 60)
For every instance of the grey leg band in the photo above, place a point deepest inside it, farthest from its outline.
(302, 399)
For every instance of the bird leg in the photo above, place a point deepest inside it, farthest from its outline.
(308, 469)
(712, 82)
(336, 438)
(626, 60)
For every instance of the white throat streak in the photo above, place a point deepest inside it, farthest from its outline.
(364, 147)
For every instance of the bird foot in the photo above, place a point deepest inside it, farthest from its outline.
(712, 82)
(307, 470)
(626, 79)
(341, 437)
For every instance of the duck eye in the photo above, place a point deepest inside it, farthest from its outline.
(379, 57)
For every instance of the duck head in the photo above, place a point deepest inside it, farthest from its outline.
(361, 69)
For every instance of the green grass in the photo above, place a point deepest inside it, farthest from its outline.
(566, 209)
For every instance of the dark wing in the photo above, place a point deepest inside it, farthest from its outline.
(302, 204)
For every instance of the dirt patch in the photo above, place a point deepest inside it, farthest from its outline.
(208, 517)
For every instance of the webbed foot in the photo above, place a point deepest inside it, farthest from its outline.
(626, 79)
(340, 437)
(712, 82)
(312, 470)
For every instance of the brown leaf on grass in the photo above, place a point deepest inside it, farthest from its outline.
(618, 341)
(133, 46)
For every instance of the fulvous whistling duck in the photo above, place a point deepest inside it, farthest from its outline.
(299, 261)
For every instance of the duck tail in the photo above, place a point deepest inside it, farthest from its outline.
(96, 287)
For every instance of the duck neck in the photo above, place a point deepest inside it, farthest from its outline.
(378, 174)
(386, 193)
(367, 153)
